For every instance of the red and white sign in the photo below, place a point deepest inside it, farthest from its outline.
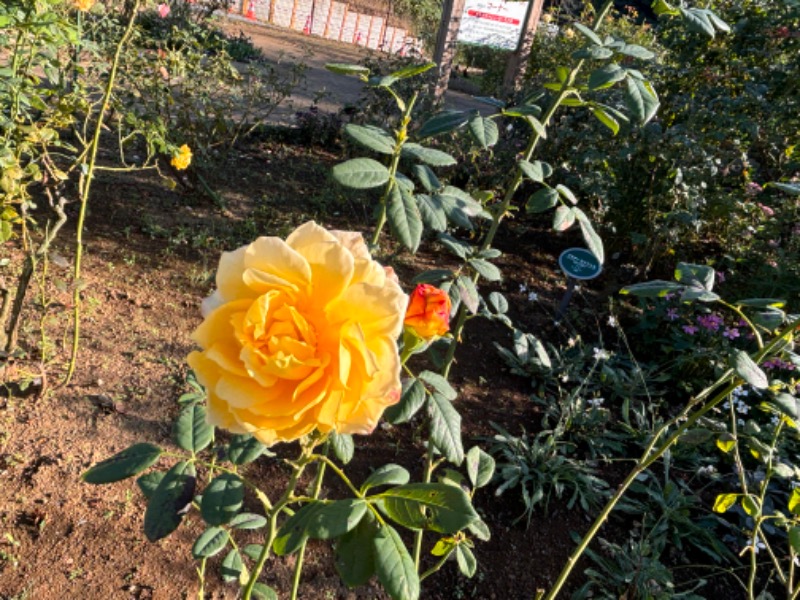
(492, 23)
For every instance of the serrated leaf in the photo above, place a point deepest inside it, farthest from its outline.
(343, 446)
(404, 182)
(439, 384)
(459, 248)
(431, 156)
(244, 449)
(169, 501)
(361, 173)
(606, 76)
(468, 293)
(411, 400)
(588, 34)
(318, 520)
(443, 122)
(412, 70)
(432, 211)
(480, 467)
(404, 218)
(697, 20)
(437, 506)
(606, 119)
(542, 200)
(148, 483)
(445, 423)
(247, 521)
(192, 431)
(498, 303)
(748, 370)
(641, 99)
(355, 553)
(466, 560)
(724, 502)
(371, 137)
(636, 51)
(122, 465)
(346, 69)
(394, 566)
(232, 567)
(294, 532)
(564, 218)
(535, 171)
(590, 236)
(390, 474)
(210, 542)
(427, 177)
(222, 499)
(486, 269)
(484, 131)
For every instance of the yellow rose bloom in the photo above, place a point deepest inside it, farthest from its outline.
(84, 5)
(182, 159)
(300, 335)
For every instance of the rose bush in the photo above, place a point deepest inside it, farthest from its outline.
(428, 312)
(300, 335)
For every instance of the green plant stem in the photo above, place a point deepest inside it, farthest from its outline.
(503, 208)
(652, 454)
(435, 567)
(298, 566)
(201, 574)
(426, 478)
(272, 531)
(743, 317)
(400, 139)
(86, 188)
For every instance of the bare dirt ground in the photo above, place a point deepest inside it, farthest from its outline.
(329, 91)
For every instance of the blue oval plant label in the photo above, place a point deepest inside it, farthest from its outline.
(579, 263)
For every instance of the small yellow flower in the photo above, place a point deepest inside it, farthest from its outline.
(84, 5)
(182, 159)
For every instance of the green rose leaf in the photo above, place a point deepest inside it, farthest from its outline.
(361, 173)
(445, 428)
(122, 465)
(371, 137)
(394, 565)
(593, 241)
(480, 467)
(641, 99)
(466, 560)
(244, 449)
(404, 218)
(192, 431)
(390, 474)
(657, 288)
(468, 293)
(222, 499)
(484, 131)
(232, 569)
(544, 199)
(247, 521)
(262, 591)
(210, 542)
(411, 400)
(432, 211)
(355, 553)
(148, 483)
(606, 76)
(170, 501)
(444, 122)
(412, 70)
(435, 158)
(427, 177)
(748, 370)
(345, 69)
(535, 171)
(343, 446)
(437, 506)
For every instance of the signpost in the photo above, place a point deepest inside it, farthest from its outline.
(577, 264)
(493, 23)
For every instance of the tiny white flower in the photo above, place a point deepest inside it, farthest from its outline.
(596, 402)
(759, 545)
(533, 297)
(726, 404)
(601, 354)
(612, 321)
(740, 422)
(523, 288)
(742, 408)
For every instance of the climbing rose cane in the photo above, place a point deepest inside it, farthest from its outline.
(300, 335)
(428, 313)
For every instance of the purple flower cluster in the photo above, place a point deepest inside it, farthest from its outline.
(710, 322)
(777, 363)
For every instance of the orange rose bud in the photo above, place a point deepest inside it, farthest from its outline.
(428, 313)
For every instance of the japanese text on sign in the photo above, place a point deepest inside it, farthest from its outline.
(492, 23)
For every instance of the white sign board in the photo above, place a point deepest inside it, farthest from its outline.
(492, 23)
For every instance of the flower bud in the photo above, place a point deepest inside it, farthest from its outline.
(428, 312)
